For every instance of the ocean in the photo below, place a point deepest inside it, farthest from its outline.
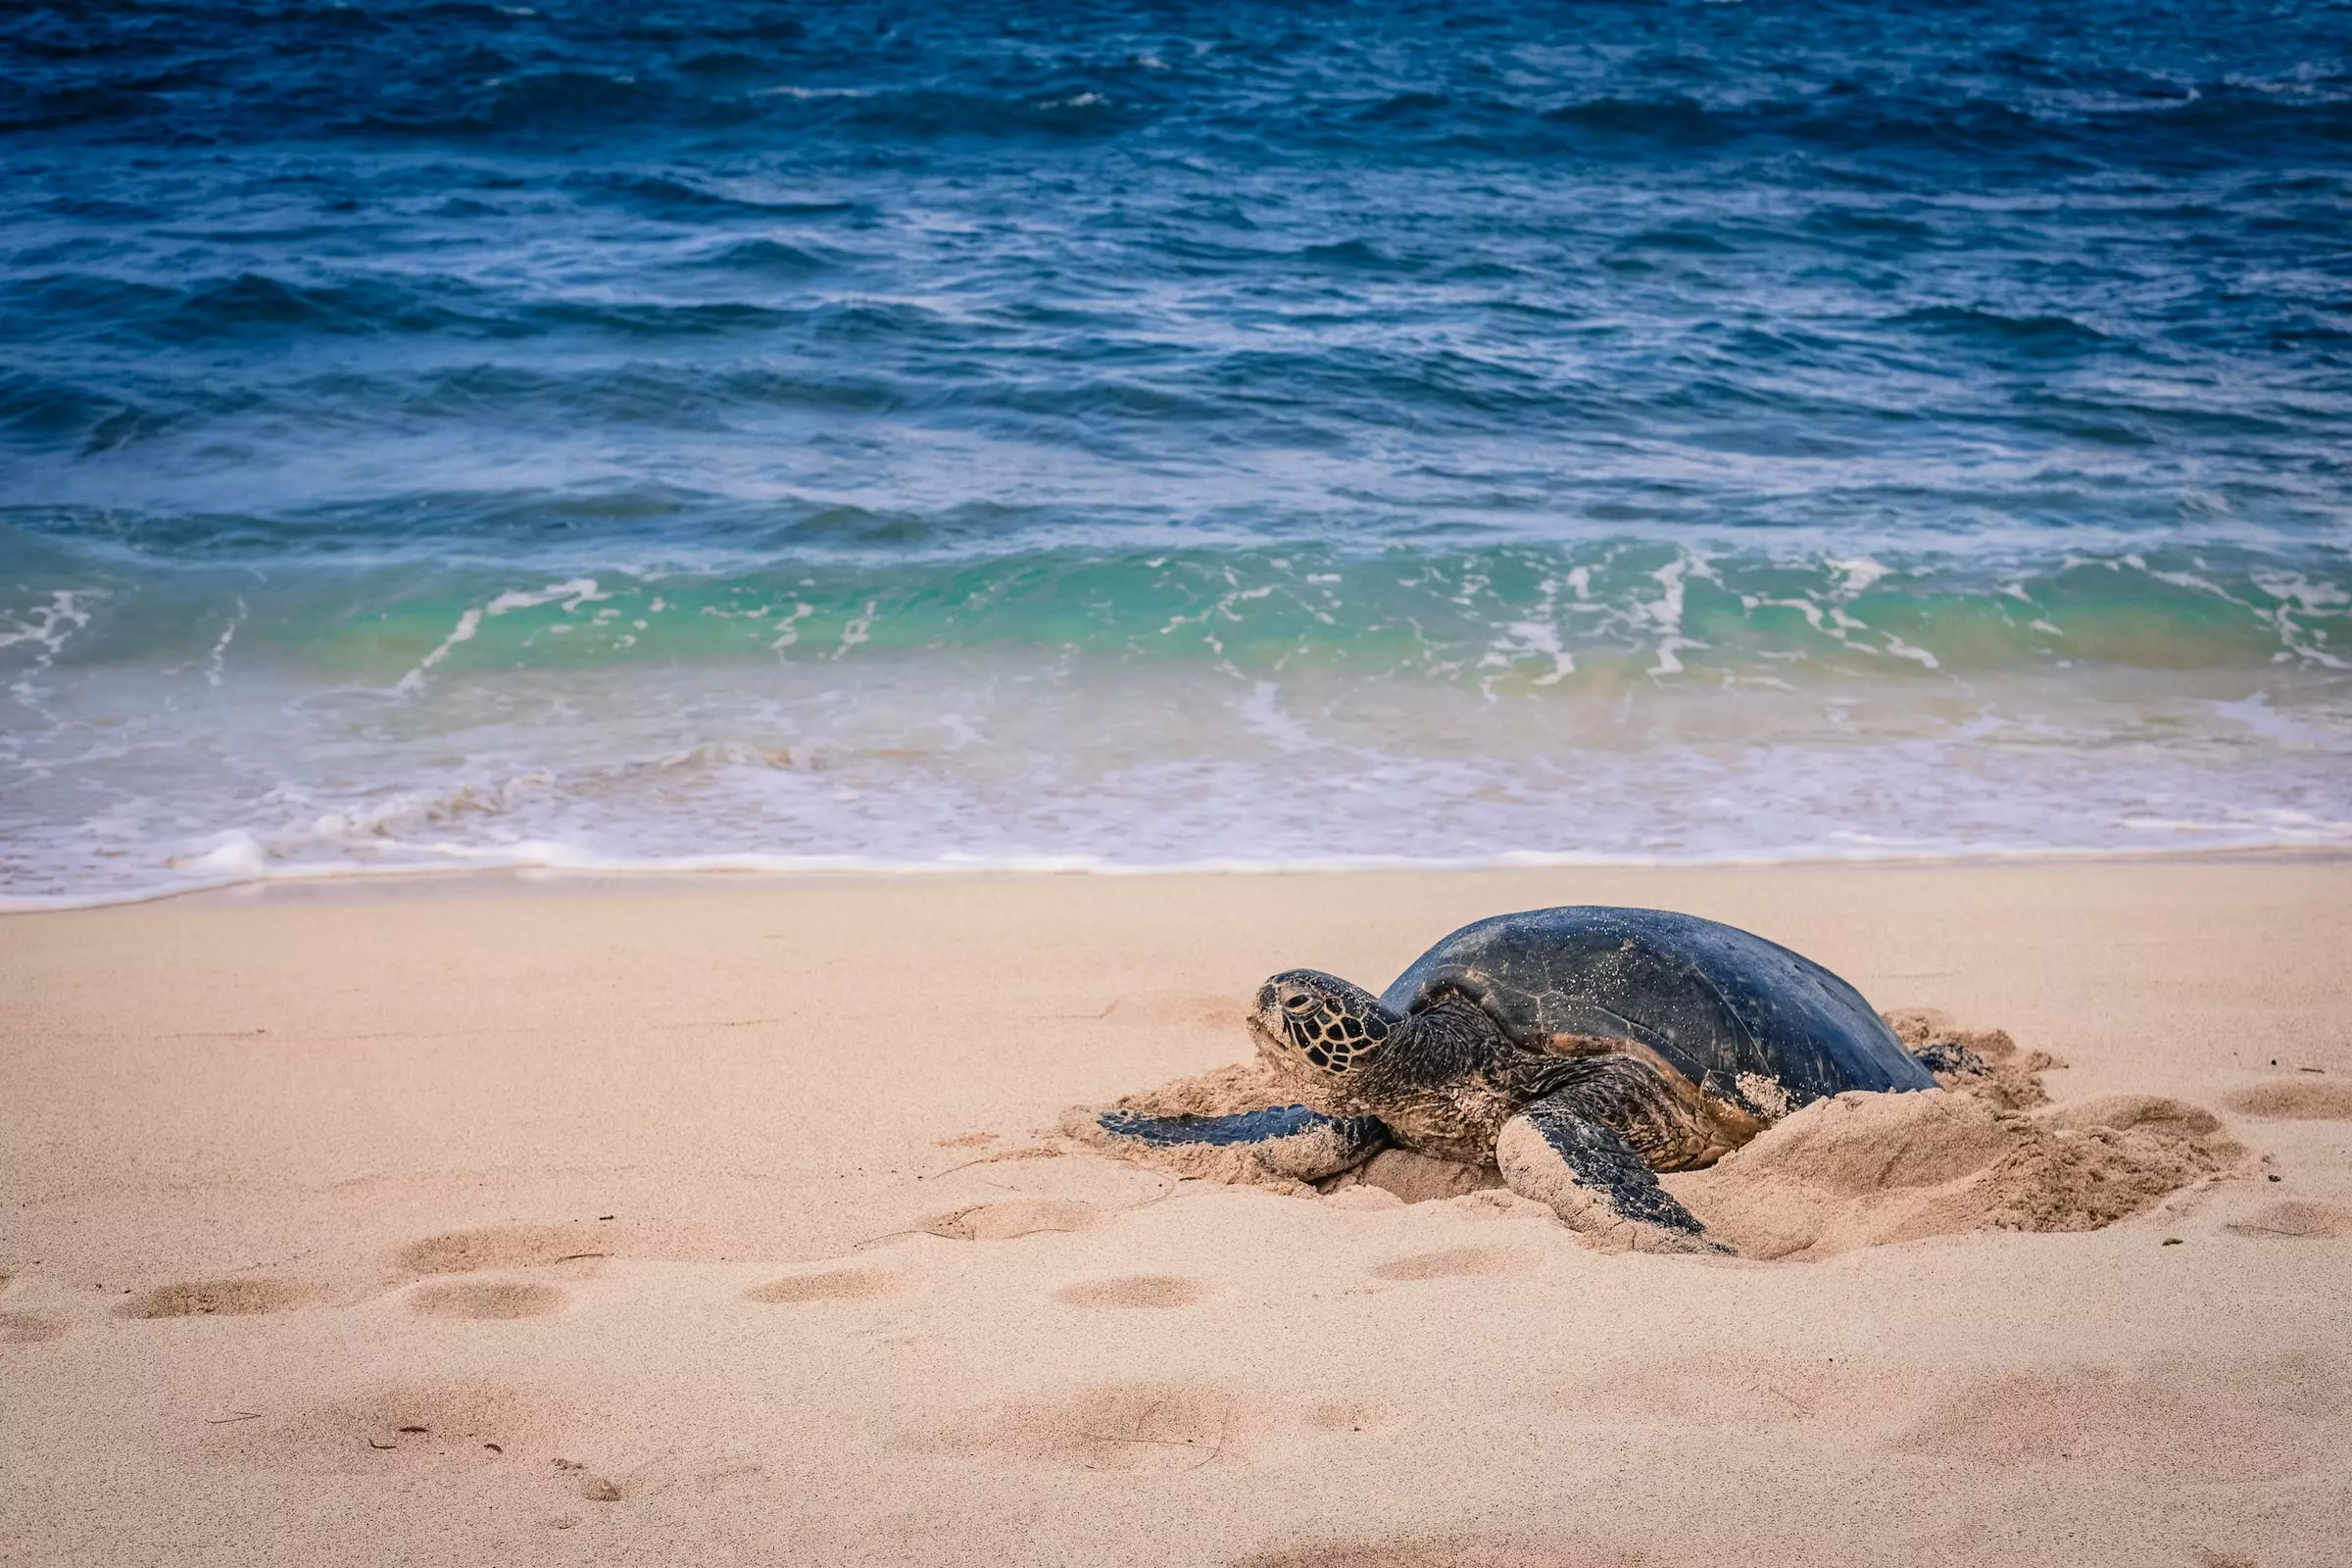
(1124, 437)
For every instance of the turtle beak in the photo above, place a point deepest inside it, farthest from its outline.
(1265, 1031)
(1266, 1017)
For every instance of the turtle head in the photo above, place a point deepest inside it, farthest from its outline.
(1321, 1020)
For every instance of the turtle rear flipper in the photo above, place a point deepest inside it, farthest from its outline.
(1951, 1056)
(1558, 1155)
(1286, 1140)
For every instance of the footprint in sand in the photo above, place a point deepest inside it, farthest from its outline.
(1349, 1415)
(1001, 1222)
(2253, 1421)
(403, 1426)
(2295, 1102)
(1134, 1291)
(1148, 1428)
(1416, 1178)
(503, 1246)
(241, 1297)
(2297, 1220)
(482, 1299)
(24, 1328)
(1453, 1262)
(840, 1284)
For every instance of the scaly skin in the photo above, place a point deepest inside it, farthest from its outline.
(1445, 1079)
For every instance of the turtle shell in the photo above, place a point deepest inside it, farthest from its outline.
(1738, 1015)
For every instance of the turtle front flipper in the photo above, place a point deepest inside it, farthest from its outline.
(1284, 1140)
(1558, 1153)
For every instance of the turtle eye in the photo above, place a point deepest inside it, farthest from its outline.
(1301, 1003)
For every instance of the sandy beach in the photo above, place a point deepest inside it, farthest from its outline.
(724, 1222)
(672, 675)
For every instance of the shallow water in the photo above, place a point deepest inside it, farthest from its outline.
(868, 436)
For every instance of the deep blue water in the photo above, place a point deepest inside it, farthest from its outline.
(1108, 434)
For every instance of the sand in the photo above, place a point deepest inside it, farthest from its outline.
(517, 1222)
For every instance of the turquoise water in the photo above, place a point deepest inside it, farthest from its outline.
(743, 435)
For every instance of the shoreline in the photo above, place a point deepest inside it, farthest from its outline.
(359, 881)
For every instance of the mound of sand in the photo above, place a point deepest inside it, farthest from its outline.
(1982, 1152)
(1995, 1071)
(1220, 1092)
(1858, 1170)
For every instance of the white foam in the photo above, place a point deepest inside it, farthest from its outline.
(1665, 613)
(1904, 650)
(904, 759)
(217, 665)
(858, 628)
(234, 855)
(788, 630)
(1856, 576)
(573, 594)
(2257, 714)
(48, 627)
(570, 860)
(467, 625)
(2297, 595)
(51, 624)
(810, 93)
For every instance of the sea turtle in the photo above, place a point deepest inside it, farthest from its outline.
(1578, 1049)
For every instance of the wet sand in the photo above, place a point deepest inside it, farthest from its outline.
(708, 1221)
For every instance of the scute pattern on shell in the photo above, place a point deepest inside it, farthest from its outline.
(1716, 1003)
